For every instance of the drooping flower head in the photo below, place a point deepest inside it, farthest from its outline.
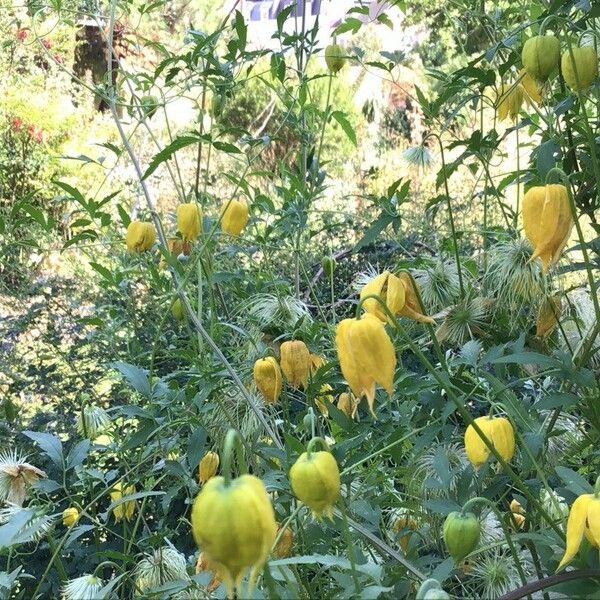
(234, 525)
(189, 220)
(295, 362)
(547, 221)
(268, 379)
(367, 356)
(140, 236)
(234, 217)
(584, 519)
(498, 431)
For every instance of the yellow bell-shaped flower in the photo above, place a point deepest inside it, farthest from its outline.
(348, 404)
(531, 87)
(189, 220)
(540, 56)
(267, 376)
(125, 509)
(140, 236)
(234, 525)
(548, 315)
(390, 289)
(208, 467)
(366, 355)
(295, 362)
(547, 221)
(498, 431)
(412, 309)
(509, 100)
(584, 519)
(581, 69)
(234, 217)
(315, 480)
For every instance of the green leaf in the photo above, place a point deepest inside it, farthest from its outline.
(340, 117)
(241, 30)
(574, 481)
(226, 147)
(166, 153)
(196, 447)
(371, 234)
(137, 377)
(49, 444)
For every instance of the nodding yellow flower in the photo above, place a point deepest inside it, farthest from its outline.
(284, 546)
(584, 519)
(547, 221)
(315, 480)
(518, 520)
(70, 516)
(540, 56)
(531, 87)
(348, 404)
(316, 362)
(498, 431)
(125, 509)
(509, 100)
(234, 217)
(324, 394)
(267, 377)
(189, 220)
(209, 465)
(390, 289)
(140, 236)
(581, 69)
(548, 315)
(412, 309)
(515, 507)
(405, 525)
(366, 355)
(295, 362)
(235, 526)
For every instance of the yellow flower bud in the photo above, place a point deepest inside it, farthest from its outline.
(235, 526)
(70, 516)
(189, 220)
(234, 217)
(267, 376)
(209, 465)
(315, 480)
(295, 362)
(548, 315)
(177, 310)
(540, 56)
(348, 404)
(498, 431)
(547, 221)
(412, 309)
(366, 355)
(140, 236)
(509, 100)
(335, 58)
(125, 509)
(581, 69)
(390, 289)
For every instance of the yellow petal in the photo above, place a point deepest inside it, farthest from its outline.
(575, 527)
(593, 521)
(503, 437)
(475, 448)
